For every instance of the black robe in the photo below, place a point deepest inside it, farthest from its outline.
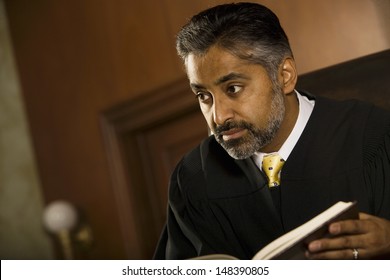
(221, 205)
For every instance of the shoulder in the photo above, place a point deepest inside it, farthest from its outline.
(208, 153)
(361, 123)
(188, 178)
(193, 162)
(352, 113)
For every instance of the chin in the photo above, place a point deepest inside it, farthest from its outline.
(242, 151)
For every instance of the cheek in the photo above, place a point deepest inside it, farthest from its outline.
(208, 116)
(256, 113)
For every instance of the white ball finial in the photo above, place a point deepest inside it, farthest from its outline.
(59, 215)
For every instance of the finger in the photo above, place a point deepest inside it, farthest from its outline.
(337, 243)
(365, 216)
(346, 254)
(349, 227)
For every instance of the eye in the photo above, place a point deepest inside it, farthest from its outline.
(203, 96)
(233, 89)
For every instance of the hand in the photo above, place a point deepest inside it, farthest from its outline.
(370, 235)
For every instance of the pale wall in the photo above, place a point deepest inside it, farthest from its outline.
(21, 232)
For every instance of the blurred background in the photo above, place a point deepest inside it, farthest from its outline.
(95, 110)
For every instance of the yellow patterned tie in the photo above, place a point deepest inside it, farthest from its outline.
(272, 164)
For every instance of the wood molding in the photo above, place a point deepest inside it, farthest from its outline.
(365, 78)
(123, 127)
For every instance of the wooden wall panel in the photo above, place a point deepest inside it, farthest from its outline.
(75, 59)
(365, 78)
(163, 146)
(144, 140)
(324, 33)
(321, 33)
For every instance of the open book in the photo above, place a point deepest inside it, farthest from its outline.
(293, 244)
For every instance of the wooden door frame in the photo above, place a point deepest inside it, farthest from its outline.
(126, 122)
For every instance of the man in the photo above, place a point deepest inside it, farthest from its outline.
(241, 69)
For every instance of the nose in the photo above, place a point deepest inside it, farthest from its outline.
(222, 111)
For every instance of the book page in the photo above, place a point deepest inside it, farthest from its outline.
(289, 239)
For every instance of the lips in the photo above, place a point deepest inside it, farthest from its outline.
(233, 133)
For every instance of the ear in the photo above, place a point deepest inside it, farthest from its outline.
(289, 75)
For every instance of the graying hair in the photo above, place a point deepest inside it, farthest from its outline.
(248, 30)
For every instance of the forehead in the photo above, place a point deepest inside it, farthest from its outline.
(216, 63)
(214, 58)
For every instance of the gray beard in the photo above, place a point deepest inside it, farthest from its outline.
(256, 138)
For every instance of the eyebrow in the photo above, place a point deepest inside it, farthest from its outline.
(230, 76)
(223, 79)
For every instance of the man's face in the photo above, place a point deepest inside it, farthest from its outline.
(238, 100)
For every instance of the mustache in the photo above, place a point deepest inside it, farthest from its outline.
(232, 125)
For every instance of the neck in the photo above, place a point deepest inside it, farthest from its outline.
(287, 125)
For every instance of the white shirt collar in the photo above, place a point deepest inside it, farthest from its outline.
(305, 109)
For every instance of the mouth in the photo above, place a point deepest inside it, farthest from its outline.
(233, 133)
